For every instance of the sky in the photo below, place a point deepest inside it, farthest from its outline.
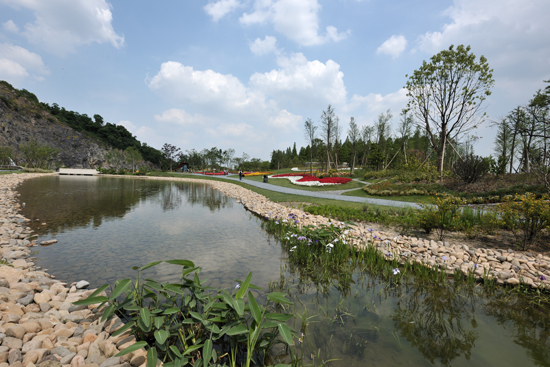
(246, 74)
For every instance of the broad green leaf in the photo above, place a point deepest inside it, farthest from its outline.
(186, 271)
(142, 326)
(132, 348)
(207, 351)
(161, 336)
(196, 315)
(150, 265)
(278, 316)
(145, 316)
(124, 328)
(256, 313)
(175, 351)
(181, 262)
(152, 357)
(285, 333)
(282, 365)
(278, 297)
(153, 285)
(91, 300)
(109, 310)
(270, 324)
(176, 288)
(220, 305)
(99, 290)
(121, 286)
(158, 321)
(237, 330)
(239, 306)
(170, 311)
(244, 286)
(217, 319)
(192, 348)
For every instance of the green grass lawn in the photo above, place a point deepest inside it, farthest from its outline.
(283, 182)
(422, 199)
(278, 197)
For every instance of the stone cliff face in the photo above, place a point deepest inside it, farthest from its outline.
(22, 120)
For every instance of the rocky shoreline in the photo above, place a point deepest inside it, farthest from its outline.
(40, 326)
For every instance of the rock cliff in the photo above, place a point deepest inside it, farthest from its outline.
(22, 118)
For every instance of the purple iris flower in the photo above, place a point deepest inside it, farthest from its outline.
(444, 258)
(542, 277)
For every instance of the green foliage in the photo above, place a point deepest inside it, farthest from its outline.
(440, 216)
(527, 217)
(472, 168)
(5, 155)
(186, 323)
(392, 188)
(36, 155)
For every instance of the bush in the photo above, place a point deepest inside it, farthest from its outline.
(527, 217)
(471, 169)
(440, 216)
(186, 322)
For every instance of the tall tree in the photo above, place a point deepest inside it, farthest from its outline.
(310, 134)
(328, 121)
(353, 135)
(445, 95)
(170, 151)
(383, 132)
(405, 130)
(133, 157)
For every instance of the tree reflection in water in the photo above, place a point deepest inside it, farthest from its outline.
(530, 321)
(438, 319)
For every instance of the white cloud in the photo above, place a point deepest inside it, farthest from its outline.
(128, 125)
(303, 82)
(62, 25)
(298, 20)
(17, 63)
(180, 117)
(221, 8)
(285, 121)
(513, 35)
(10, 26)
(265, 46)
(393, 46)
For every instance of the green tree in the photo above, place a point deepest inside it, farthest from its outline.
(5, 155)
(36, 155)
(445, 95)
(353, 135)
(310, 134)
(133, 157)
(170, 152)
(115, 158)
(328, 125)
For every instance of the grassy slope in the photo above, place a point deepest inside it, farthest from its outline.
(408, 198)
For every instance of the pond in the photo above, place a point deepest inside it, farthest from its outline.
(107, 225)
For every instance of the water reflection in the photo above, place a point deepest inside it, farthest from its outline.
(437, 319)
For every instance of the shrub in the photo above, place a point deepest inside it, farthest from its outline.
(186, 322)
(471, 169)
(527, 217)
(440, 216)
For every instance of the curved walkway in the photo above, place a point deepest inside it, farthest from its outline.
(325, 194)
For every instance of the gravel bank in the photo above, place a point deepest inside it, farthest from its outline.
(40, 326)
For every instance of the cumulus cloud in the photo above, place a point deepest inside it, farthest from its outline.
(219, 9)
(393, 46)
(298, 20)
(62, 25)
(18, 63)
(10, 26)
(180, 117)
(262, 47)
(301, 81)
(511, 34)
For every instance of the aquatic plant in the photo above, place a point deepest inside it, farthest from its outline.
(187, 323)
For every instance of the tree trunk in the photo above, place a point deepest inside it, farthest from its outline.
(441, 153)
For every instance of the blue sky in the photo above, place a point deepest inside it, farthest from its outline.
(246, 74)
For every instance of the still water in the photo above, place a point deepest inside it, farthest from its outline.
(105, 226)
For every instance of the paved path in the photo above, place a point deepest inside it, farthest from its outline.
(323, 194)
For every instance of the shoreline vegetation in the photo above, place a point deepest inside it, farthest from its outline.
(41, 322)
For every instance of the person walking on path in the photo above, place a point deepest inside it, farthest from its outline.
(241, 174)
